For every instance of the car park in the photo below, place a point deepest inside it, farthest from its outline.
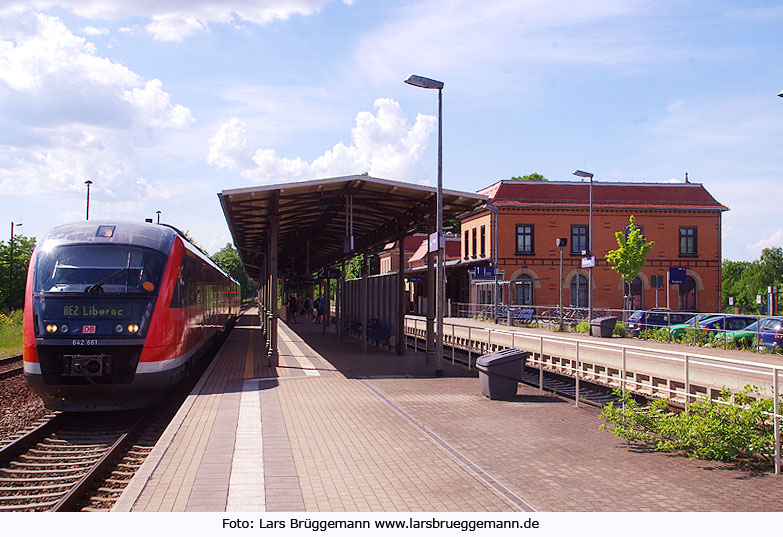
(770, 333)
(654, 319)
(677, 330)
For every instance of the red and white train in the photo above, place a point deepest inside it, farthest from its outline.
(117, 314)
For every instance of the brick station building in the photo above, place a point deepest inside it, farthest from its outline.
(683, 219)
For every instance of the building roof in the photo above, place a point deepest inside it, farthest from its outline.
(692, 196)
(453, 249)
(312, 217)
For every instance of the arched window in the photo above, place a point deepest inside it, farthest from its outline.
(523, 291)
(579, 291)
(634, 294)
(688, 294)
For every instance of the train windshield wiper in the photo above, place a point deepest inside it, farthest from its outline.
(97, 286)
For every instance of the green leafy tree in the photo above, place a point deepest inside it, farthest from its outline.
(535, 176)
(743, 280)
(228, 259)
(632, 249)
(23, 250)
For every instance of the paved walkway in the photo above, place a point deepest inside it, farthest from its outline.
(333, 429)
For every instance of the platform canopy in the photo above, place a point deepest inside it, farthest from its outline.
(314, 218)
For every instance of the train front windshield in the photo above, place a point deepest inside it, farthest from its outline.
(98, 269)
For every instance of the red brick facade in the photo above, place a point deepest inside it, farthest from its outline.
(683, 220)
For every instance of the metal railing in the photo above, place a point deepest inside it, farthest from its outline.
(549, 317)
(676, 374)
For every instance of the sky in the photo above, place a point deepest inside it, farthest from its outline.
(162, 104)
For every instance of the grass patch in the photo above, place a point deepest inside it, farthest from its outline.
(11, 333)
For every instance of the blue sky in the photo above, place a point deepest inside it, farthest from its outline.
(164, 103)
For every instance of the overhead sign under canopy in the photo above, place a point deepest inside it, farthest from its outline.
(316, 216)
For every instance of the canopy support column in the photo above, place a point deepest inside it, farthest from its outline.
(363, 299)
(402, 300)
(273, 355)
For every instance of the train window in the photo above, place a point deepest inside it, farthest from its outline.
(100, 268)
(178, 295)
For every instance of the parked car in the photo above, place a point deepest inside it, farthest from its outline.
(677, 330)
(719, 324)
(653, 319)
(767, 332)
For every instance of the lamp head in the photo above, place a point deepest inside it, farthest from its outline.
(580, 173)
(780, 94)
(423, 82)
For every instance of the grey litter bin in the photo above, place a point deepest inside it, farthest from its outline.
(602, 326)
(500, 371)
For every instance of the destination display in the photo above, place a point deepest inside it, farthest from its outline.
(95, 311)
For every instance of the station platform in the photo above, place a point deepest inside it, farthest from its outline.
(334, 429)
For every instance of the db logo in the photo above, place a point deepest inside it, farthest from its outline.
(88, 329)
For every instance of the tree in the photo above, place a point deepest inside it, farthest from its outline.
(632, 249)
(743, 280)
(23, 250)
(535, 176)
(228, 259)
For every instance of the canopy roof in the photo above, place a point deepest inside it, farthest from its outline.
(313, 216)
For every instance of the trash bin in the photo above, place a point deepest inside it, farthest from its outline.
(500, 371)
(602, 326)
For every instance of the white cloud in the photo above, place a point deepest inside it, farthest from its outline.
(93, 31)
(774, 240)
(173, 20)
(384, 144)
(75, 115)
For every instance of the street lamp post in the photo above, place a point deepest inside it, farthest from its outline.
(580, 173)
(11, 270)
(88, 183)
(158, 213)
(561, 243)
(440, 274)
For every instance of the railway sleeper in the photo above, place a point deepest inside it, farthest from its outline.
(54, 464)
(31, 506)
(74, 472)
(72, 459)
(3, 490)
(41, 496)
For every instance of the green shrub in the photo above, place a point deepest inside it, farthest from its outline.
(619, 329)
(709, 429)
(583, 327)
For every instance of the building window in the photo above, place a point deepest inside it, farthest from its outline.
(628, 230)
(483, 241)
(688, 241)
(467, 234)
(474, 243)
(579, 291)
(688, 294)
(525, 239)
(578, 239)
(523, 291)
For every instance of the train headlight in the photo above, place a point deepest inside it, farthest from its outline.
(133, 328)
(118, 329)
(64, 328)
(51, 328)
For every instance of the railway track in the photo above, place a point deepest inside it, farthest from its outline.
(10, 366)
(52, 467)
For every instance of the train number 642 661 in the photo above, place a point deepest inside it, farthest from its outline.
(84, 342)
